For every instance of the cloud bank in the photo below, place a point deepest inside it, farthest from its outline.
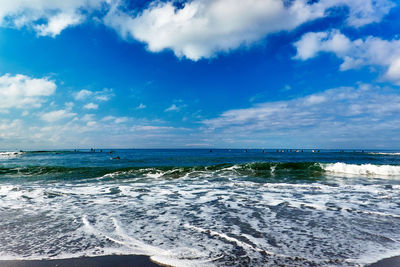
(198, 29)
(348, 113)
(204, 28)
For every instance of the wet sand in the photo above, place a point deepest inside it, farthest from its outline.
(100, 261)
(389, 262)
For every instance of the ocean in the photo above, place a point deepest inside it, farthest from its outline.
(201, 207)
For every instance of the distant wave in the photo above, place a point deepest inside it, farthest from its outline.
(10, 154)
(385, 153)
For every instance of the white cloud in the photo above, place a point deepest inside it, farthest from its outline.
(88, 117)
(314, 42)
(91, 123)
(121, 119)
(57, 115)
(141, 106)
(91, 106)
(204, 28)
(362, 12)
(173, 107)
(57, 15)
(101, 96)
(108, 118)
(200, 29)
(355, 54)
(339, 111)
(151, 128)
(69, 105)
(21, 91)
(115, 119)
(58, 23)
(82, 94)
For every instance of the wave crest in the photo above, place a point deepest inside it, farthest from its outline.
(363, 169)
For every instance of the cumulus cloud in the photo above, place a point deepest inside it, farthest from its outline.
(82, 94)
(198, 29)
(116, 120)
(203, 28)
(173, 107)
(91, 106)
(355, 54)
(23, 92)
(58, 23)
(47, 17)
(336, 113)
(101, 96)
(57, 115)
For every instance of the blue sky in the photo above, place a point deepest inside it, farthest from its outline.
(200, 73)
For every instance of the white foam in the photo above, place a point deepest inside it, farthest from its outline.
(363, 169)
(385, 153)
(230, 239)
(10, 154)
(168, 220)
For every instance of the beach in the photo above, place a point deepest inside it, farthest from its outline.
(199, 208)
(103, 261)
(389, 262)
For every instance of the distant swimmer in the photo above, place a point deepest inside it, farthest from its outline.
(210, 150)
(117, 157)
(245, 150)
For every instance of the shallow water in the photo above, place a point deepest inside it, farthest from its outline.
(196, 207)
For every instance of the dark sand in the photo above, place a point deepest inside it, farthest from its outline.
(100, 261)
(389, 262)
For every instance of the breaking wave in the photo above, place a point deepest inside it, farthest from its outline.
(363, 169)
(296, 170)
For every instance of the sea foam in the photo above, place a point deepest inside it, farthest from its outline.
(363, 169)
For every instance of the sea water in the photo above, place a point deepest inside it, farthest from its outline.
(197, 207)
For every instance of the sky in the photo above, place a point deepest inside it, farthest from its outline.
(199, 74)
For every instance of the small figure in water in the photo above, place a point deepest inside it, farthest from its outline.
(117, 157)
(210, 150)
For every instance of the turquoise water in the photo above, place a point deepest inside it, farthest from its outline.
(202, 207)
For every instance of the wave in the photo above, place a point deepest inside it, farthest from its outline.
(9, 154)
(303, 170)
(271, 170)
(385, 153)
(363, 169)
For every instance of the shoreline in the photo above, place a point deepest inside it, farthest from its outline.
(96, 261)
(386, 262)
